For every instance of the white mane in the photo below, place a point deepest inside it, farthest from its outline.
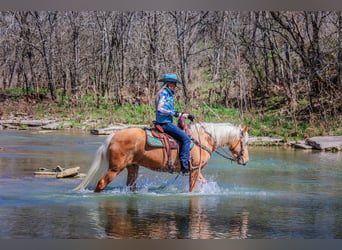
(223, 133)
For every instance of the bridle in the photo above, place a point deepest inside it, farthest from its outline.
(242, 148)
(231, 148)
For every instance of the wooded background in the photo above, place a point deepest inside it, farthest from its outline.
(290, 61)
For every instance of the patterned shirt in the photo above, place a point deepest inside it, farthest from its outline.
(164, 106)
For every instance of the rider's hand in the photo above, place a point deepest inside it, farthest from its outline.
(177, 114)
(191, 117)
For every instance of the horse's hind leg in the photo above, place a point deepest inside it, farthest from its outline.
(105, 180)
(132, 176)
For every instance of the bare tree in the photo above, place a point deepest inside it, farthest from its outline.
(189, 30)
(248, 57)
(340, 50)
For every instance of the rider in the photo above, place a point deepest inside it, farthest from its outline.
(164, 117)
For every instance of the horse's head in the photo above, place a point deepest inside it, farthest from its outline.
(239, 148)
(221, 135)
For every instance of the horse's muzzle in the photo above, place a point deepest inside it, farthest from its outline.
(241, 161)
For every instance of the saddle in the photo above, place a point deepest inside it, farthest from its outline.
(156, 137)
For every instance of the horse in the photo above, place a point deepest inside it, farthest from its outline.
(128, 149)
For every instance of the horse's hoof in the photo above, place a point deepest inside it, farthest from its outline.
(171, 170)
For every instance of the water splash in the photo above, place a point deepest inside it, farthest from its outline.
(158, 186)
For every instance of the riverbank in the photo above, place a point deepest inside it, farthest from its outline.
(24, 122)
(21, 111)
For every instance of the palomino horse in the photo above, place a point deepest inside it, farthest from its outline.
(127, 148)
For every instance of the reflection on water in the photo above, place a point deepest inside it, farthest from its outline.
(281, 193)
(169, 219)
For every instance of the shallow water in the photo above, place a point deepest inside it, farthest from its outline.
(281, 193)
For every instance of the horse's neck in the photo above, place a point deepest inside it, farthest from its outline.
(228, 138)
(221, 134)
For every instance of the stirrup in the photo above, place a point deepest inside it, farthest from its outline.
(194, 168)
(184, 171)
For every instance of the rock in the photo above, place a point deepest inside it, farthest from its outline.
(110, 130)
(34, 123)
(265, 141)
(302, 146)
(101, 131)
(51, 126)
(328, 143)
(10, 122)
(58, 169)
(22, 123)
(66, 124)
(9, 126)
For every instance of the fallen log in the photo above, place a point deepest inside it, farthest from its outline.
(70, 172)
(58, 172)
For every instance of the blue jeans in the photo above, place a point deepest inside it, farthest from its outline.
(183, 138)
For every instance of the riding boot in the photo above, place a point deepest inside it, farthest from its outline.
(185, 167)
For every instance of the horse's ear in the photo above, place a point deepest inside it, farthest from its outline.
(244, 130)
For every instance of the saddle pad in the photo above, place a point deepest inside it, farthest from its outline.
(154, 142)
(159, 143)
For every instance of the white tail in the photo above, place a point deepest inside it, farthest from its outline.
(98, 167)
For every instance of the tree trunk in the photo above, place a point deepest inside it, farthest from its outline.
(340, 50)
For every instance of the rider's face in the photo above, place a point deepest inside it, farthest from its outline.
(172, 85)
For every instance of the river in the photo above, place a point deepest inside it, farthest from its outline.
(282, 193)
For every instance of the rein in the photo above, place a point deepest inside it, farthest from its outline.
(202, 146)
(227, 156)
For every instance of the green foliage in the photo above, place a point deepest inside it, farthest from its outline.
(14, 93)
(133, 114)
